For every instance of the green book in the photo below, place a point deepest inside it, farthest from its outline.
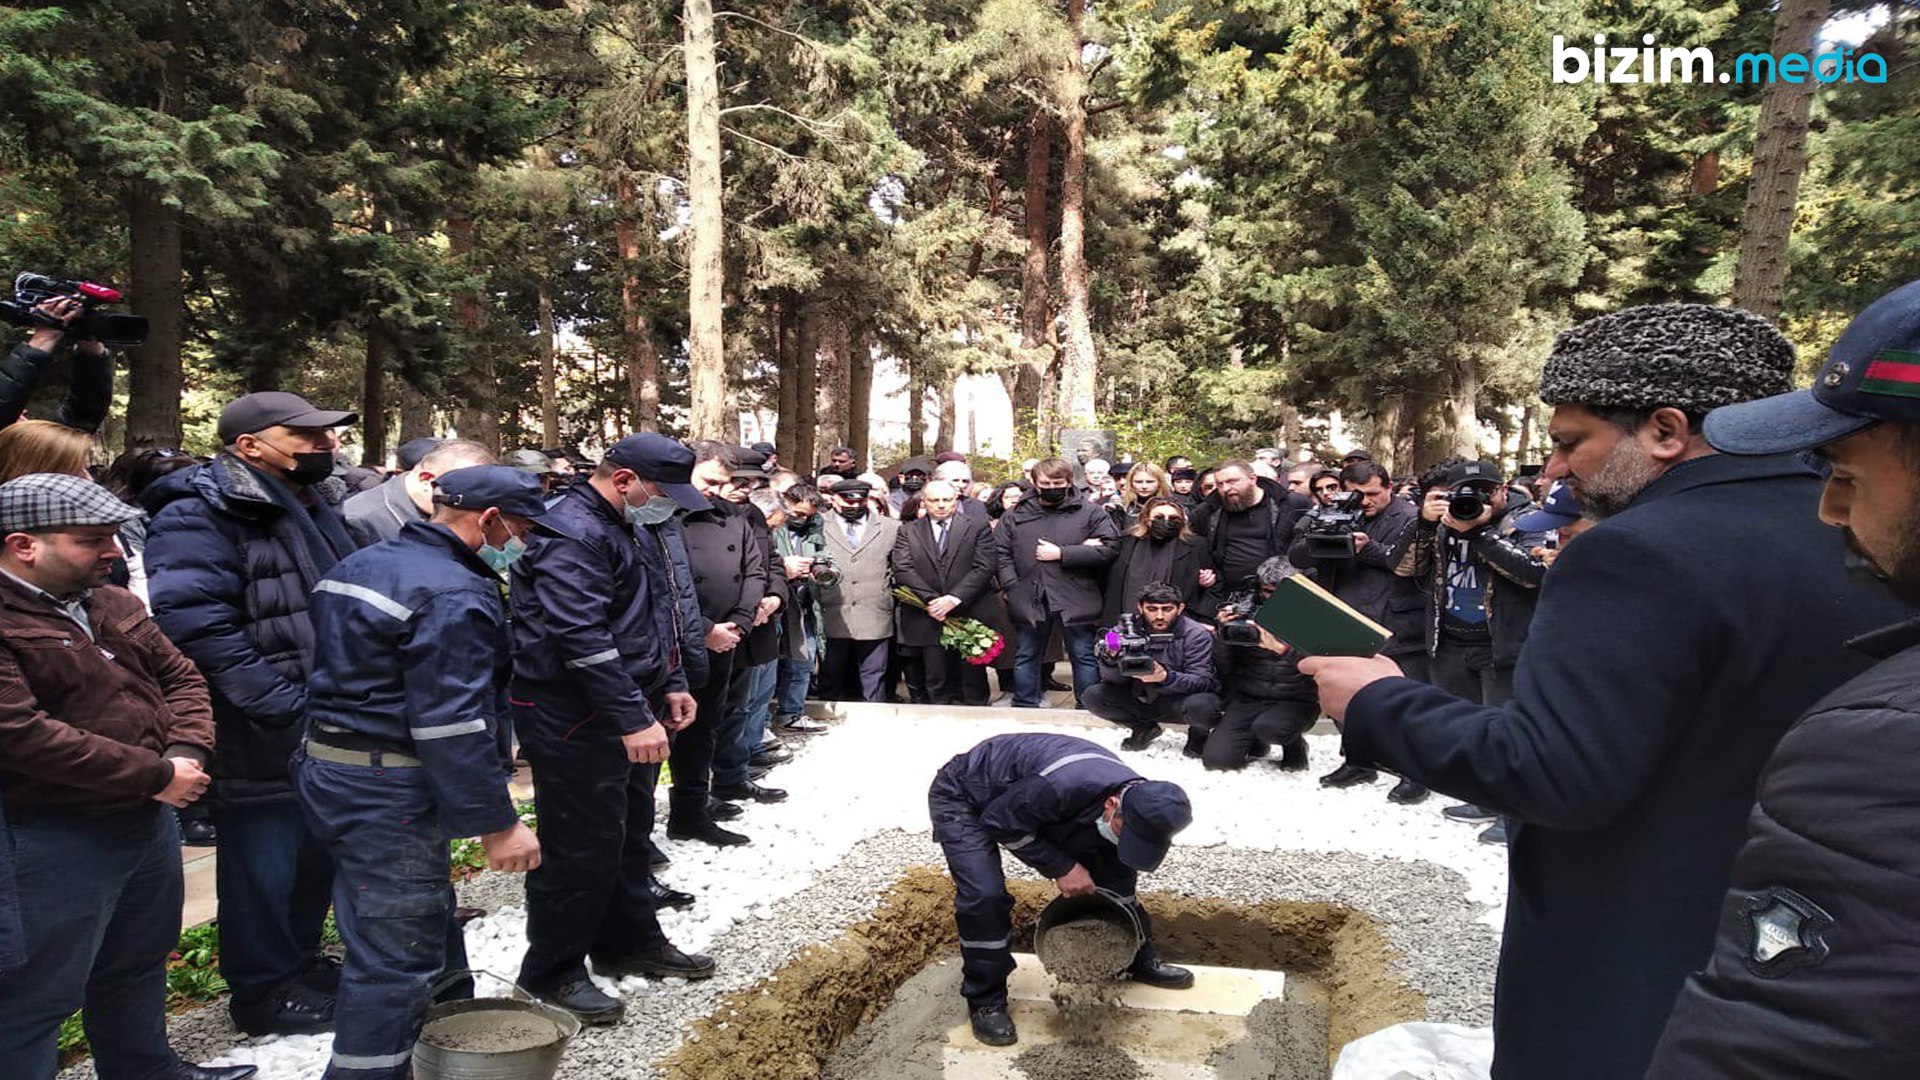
(1314, 622)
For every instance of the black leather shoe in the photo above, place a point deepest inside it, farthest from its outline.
(1495, 833)
(1258, 750)
(585, 1001)
(1196, 742)
(198, 834)
(1054, 684)
(323, 977)
(668, 897)
(666, 962)
(750, 790)
(1406, 793)
(722, 811)
(707, 833)
(993, 1026)
(1469, 812)
(757, 772)
(769, 756)
(186, 1071)
(1293, 756)
(657, 859)
(1349, 775)
(464, 915)
(295, 1011)
(1163, 975)
(1142, 737)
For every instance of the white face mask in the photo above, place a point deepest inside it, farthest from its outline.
(1106, 830)
(657, 509)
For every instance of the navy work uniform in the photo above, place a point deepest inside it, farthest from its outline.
(1041, 796)
(403, 753)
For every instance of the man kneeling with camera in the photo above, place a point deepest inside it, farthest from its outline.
(1268, 702)
(1156, 665)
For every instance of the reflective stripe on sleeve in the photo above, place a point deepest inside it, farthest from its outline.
(1071, 758)
(596, 658)
(386, 605)
(446, 731)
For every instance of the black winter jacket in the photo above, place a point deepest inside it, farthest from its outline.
(1815, 970)
(89, 395)
(1511, 590)
(1368, 580)
(1071, 587)
(1189, 558)
(1283, 511)
(1188, 658)
(231, 566)
(1250, 673)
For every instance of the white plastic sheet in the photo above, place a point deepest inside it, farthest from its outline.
(1418, 1051)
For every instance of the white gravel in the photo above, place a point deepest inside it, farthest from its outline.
(857, 817)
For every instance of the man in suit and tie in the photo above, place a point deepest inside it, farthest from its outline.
(948, 560)
(857, 615)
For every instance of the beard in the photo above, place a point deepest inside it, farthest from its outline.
(1899, 572)
(1238, 501)
(1619, 480)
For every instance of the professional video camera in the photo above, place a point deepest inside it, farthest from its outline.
(1234, 618)
(1127, 645)
(1328, 530)
(825, 572)
(31, 290)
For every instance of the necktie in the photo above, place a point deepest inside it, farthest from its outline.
(940, 536)
(853, 535)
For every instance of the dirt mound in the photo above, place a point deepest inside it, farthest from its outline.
(1071, 1061)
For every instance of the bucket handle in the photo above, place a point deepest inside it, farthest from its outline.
(521, 993)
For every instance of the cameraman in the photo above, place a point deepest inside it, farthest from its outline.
(88, 394)
(1180, 686)
(1268, 701)
(1366, 580)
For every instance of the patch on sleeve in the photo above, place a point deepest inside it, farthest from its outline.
(1784, 932)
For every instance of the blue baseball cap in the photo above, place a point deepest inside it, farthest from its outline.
(1558, 510)
(664, 461)
(1150, 813)
(512, 491)
(1872, 375)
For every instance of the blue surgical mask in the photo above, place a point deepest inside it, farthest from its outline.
(502, 557)
(1106, 830)
(657, 509)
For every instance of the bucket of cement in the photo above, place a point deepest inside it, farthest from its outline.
(1090, 938)
(517, 1038)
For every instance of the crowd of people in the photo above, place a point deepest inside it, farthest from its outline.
(342, 665)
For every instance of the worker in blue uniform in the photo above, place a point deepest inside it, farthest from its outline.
(1070, 809)
(403, 750)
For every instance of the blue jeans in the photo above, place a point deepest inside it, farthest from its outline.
(393, 903)
(100, 906)
(274, 884)
(749, 706)
(1029, 656)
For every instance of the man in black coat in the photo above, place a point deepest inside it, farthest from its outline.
(948, 560)
(1671, 648)
(1246, 521)
(1812, 972)
(1054, 549)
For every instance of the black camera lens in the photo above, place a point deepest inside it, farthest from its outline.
(1466, 505)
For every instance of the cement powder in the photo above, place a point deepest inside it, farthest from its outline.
(1086, 951)
(491, 1031)
(1072, 1061)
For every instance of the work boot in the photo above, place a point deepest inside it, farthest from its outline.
(665, 896)
(1495, 833)
(1406, 793)
(323, 977)
(1161, 974)
(707, 833)
(661, 963)
(585, 1001)
(1142, 737)
(749, 790)
(1293, 755)
(1258, 750)
(1468, 812)
(992, 1026)
(1348, 775)
(722, 811)
(1196, 742)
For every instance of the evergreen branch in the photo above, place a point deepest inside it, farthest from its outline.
(802, 38)
(807, 122)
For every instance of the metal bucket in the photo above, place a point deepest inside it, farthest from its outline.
(537, 1062)
(1101, 904)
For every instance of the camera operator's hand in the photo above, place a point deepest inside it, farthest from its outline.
(64, 308)
(797, 566)
(1545, 555)
(1157, 675)
(1434, 506)
(1361, 540)
(1046, 551)
(1273, 644)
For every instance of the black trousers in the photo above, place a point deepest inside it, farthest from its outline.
(1120, 703)
(853, 670)
(592, 894)
(1243, 722)
(692, 754)
(951, 680)
(1466, 669)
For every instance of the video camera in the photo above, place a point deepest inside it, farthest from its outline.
(1328, 530)
(1127, 645)
(108, 328)
(824, 572)
(1234, 618)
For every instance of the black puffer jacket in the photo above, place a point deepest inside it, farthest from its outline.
(232, 558)
(1511, 591)
(1815, 968)
(1250, 673)
(1071, 587)
(89, 395)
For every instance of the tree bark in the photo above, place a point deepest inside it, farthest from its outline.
(1024, 380)
(706, 363)
(1388, 416)
(916, 413)
(373, 401)
(1077, 367)
(784, 324)
(806, 353)
(1528, 439)
(832, 395)
(643, 356)
(154, 376)
(859, 390)
(1779, 158)
(549, 378)
(416, 413)
(479, 418)
(948, 437)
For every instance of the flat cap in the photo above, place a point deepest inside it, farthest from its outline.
(58, 501)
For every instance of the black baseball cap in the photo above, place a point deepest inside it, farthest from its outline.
(1150, 813)
(667, 462)
(276, 408)
(413, 450)
(512, 491)
(1872, 375)
(763, 447)
(1471, 472)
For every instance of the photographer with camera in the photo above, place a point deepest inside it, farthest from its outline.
(1156, 666)
(1353, 547)
(1267, 701)
(53, 319)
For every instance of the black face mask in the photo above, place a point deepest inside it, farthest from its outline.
(913, 483)
(1163, 529)
(309, 469)
(799, 524)
(1051, 496)
(853, 513)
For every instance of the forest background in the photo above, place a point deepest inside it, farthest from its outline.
(1212, 226)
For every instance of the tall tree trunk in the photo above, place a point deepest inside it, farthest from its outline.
(832, 394)
(948, 438)
(154, 377)
(373, 401)
(1077, 367)
(1388, 416)
(706, 360)
(806, 355)
(785, 324)
(1024, 381)
(859, 391)
(643, 356)
(416, 413)
(549, 378)
(1779, 158)
(1528, 439)
(916, 411)
(479, 418)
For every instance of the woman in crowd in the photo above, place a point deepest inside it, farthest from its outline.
(1158, 547)
(42, 446)
(1144, 482)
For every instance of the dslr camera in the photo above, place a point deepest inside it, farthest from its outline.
(1235, 612)
(1128, 645)
(108, 328)
(1329, 529)
(825, 572)
(1468, 501)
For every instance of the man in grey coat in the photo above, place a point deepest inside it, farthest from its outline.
(379, 513)
(858, 614)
